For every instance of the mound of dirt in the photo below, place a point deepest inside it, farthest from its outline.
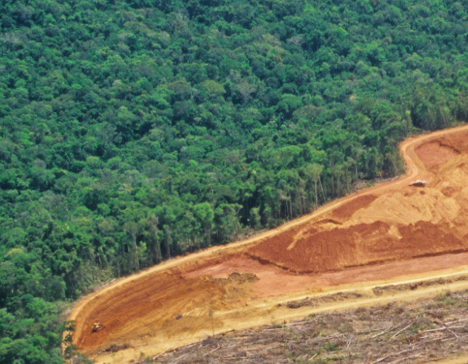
(236, 279)
(116, 347)
(238, 287)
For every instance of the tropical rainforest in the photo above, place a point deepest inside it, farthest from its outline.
(132, 131)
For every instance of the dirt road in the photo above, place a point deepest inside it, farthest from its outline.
(384, 235)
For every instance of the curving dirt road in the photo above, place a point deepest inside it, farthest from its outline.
(386, 234)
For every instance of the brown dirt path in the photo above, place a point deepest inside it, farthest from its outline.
(389, 232)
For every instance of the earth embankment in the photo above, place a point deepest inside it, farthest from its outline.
(392, 232)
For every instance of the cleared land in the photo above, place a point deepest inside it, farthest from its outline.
(422, 331)
(390, 234)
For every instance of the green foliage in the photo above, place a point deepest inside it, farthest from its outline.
(131, 131)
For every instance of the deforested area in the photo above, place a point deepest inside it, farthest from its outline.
(423, 331)
(392, 242)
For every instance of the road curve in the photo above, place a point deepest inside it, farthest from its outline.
(415, 169)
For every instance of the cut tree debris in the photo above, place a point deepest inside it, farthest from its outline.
(393, 333)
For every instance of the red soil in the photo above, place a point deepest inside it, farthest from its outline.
(362, 244)
(274, 281)
(387, 231)
(133, 305)
(346, 210)
(435, 153)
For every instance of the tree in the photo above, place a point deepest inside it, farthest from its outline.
(314, 171)
(204, 216)
(185, 124)
(245, 89)
(213, 88)
(167, 233)
(152, 236)
(133, 229)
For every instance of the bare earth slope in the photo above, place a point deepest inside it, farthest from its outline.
(389, 233)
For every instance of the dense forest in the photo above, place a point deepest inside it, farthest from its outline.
(132, 131)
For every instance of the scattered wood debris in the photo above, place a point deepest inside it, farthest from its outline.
(415, 285)
(116, 347)
(418, 332)
(312, 302)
